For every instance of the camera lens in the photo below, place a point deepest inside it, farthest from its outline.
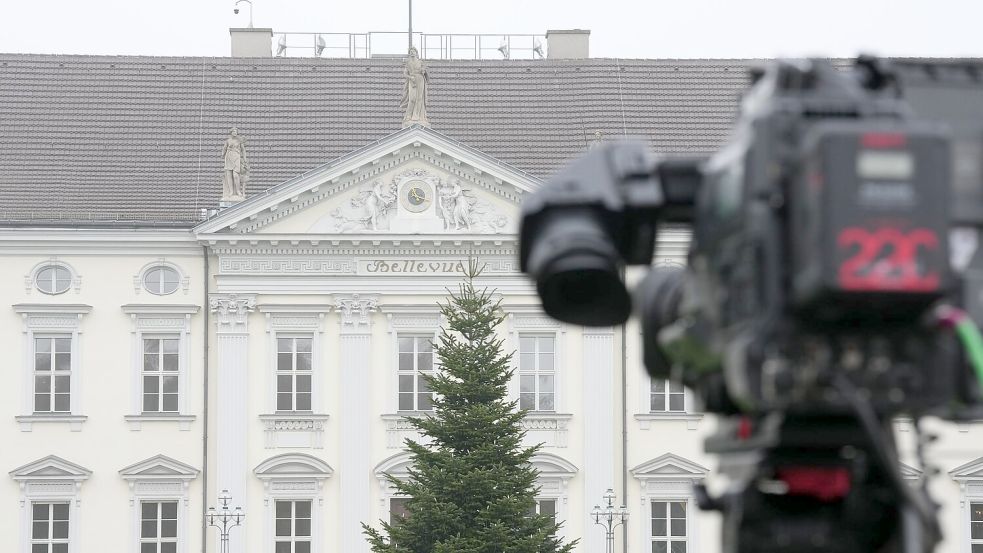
(576, 270)
(658, 298)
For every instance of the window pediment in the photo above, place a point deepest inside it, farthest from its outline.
(397, 465)
(553, 466)
(159, 467)
(293, 465)
(972, 470)
(909, 472)
(51, 467)
(669, 466)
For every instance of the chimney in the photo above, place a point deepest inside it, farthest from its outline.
(251, 43)
(570, 44)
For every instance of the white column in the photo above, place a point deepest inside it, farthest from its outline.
(355, 471)
(599, 475)
(232, 341)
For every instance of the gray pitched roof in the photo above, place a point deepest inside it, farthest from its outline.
(138, 139)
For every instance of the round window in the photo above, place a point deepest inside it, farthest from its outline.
(53, 279)
(161, 280)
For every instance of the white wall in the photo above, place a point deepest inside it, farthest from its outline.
(105, 443)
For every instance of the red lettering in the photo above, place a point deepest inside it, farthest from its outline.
(880, 140)
(886, 260)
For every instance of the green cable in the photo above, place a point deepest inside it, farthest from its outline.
(972, 340)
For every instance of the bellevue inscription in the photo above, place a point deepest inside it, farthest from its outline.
(376, 266)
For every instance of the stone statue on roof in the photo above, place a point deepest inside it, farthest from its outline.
(415, 91)
(235, 171)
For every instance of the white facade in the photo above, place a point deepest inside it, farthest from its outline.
(309, 318)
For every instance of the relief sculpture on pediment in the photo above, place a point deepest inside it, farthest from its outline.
(415, 201)
(460, 209)
(368, 210)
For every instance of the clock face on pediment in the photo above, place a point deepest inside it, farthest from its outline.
(416, 196)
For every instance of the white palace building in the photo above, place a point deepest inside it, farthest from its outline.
(185, 309)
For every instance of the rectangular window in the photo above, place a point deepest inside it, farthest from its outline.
(544, 507)
(976, 527)
(668, 527)
(160, 375)
(537, 374)
(158, 527)
(52, 374)
(667, 396)
(398, 510)
(293, 526)
(49, 528)
(294, 373)
(415, 364)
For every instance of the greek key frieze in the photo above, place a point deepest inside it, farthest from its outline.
(286, 266)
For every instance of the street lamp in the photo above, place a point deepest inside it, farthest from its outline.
(224, 519)
(610, 517)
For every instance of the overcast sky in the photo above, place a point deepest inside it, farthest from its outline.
(619, 28)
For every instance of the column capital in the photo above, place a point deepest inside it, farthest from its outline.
(354, 310)
(231, 310)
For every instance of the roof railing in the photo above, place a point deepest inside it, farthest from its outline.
(448, 46)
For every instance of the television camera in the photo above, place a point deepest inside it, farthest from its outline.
(819, 299)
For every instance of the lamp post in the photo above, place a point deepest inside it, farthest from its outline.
(250, 10)
(610, 517)
(224, 519)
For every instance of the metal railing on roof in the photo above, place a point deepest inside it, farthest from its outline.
(394, 44)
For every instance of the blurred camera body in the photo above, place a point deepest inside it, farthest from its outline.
(820, 242)
(808, 307)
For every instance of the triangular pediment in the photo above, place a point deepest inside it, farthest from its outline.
(413, 182)
(972, 470)
(51, 467)
(669, 466)
(909, 472)
(159, 467)
(293, 465)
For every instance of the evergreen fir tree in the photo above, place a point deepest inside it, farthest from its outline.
(471, 488)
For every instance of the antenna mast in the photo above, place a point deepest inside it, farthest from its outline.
(410, 37)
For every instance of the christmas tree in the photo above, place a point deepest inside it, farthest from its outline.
(471, 488)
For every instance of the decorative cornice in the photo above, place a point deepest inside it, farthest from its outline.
(355, 309)
(309, 308)
(52, 308)
(232, 310)
(330, 246)
(160, 309)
